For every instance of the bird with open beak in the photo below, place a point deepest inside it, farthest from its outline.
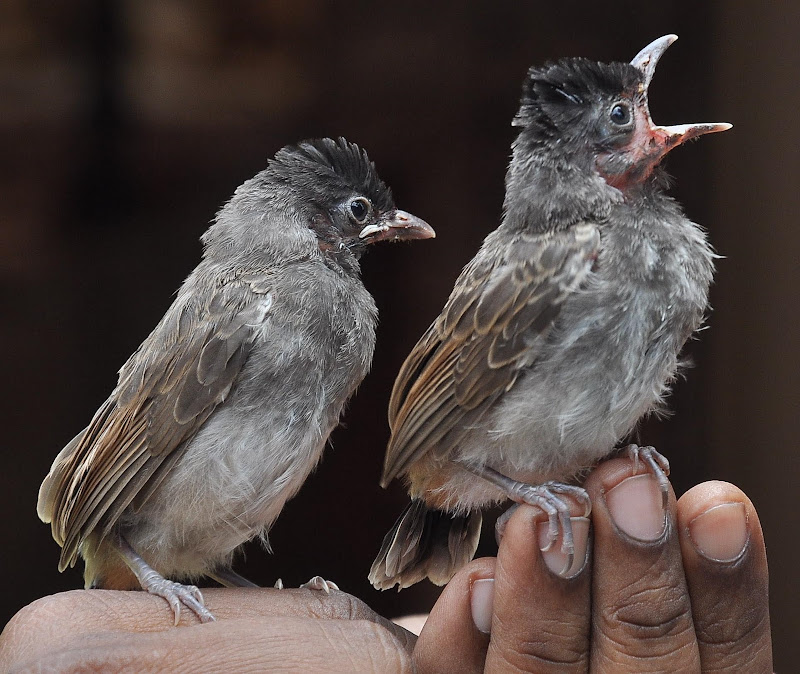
(562, 332)
(223, 411)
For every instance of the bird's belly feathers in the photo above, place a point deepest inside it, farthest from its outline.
(609, 362)
(256, 450)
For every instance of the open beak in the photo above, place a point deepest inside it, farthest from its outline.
(672, 136)
(647, 59)
(665, 138)
(397, 226)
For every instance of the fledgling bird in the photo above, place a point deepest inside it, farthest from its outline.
(561, 333)
(223, 411)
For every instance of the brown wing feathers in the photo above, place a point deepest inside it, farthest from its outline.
(493, 325)
(121, 454)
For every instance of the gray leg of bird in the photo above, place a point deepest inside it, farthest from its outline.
(319, 583)
(544, 496)
(229, 578)
(154, 583)
(657, 464)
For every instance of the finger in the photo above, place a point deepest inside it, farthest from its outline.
(541, 619)
(455, 635)
(726, 570)
(53, 622)
(244, 644)
(641, 614)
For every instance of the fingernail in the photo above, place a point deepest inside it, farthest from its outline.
(482, 603)
(635, 505)
(552, 555)
(720, 533)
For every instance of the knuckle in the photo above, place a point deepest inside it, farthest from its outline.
(534, 658)
(646, 645)
(552, 647)
(649, 616)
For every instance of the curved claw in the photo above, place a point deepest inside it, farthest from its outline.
(657, 464)
(177, 594)
(552, 531)
(567, 539)
(319, 583)
(175, 605)
(196, 593)
(568, 563)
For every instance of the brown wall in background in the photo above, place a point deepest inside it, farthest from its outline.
(125, 124)
(752, 389)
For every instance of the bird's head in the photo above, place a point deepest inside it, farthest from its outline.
(319, 194)
(337, 192)
(597, 115)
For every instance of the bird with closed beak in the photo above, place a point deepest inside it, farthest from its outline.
(223, 411)
(562, 332)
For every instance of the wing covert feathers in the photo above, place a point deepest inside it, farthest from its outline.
(494, 324)
(166, 390)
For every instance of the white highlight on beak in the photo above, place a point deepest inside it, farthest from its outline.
(683, 129)
(369, 230)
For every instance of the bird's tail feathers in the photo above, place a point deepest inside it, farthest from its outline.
(425, 543)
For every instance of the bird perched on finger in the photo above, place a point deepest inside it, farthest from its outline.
(562, 332)
(223, 411)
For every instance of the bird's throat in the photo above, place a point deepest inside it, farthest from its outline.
(546, 195)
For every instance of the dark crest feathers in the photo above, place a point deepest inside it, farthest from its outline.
(334, 168)
(571, 82)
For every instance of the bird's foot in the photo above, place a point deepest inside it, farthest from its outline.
(316, 583)
(656, 463)
(547, 497)
(177, 594)
(319, 583)
(153, 582)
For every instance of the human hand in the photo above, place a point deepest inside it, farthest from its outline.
(637, 605)
(690, 599)
(256, 630)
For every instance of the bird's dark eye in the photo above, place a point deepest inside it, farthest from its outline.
(359, 208)
(620, 114)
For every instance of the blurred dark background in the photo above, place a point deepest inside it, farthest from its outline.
(125, 124)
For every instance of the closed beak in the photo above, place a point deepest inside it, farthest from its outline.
(397, 225)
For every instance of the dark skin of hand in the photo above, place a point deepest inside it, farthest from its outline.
(637, 606)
